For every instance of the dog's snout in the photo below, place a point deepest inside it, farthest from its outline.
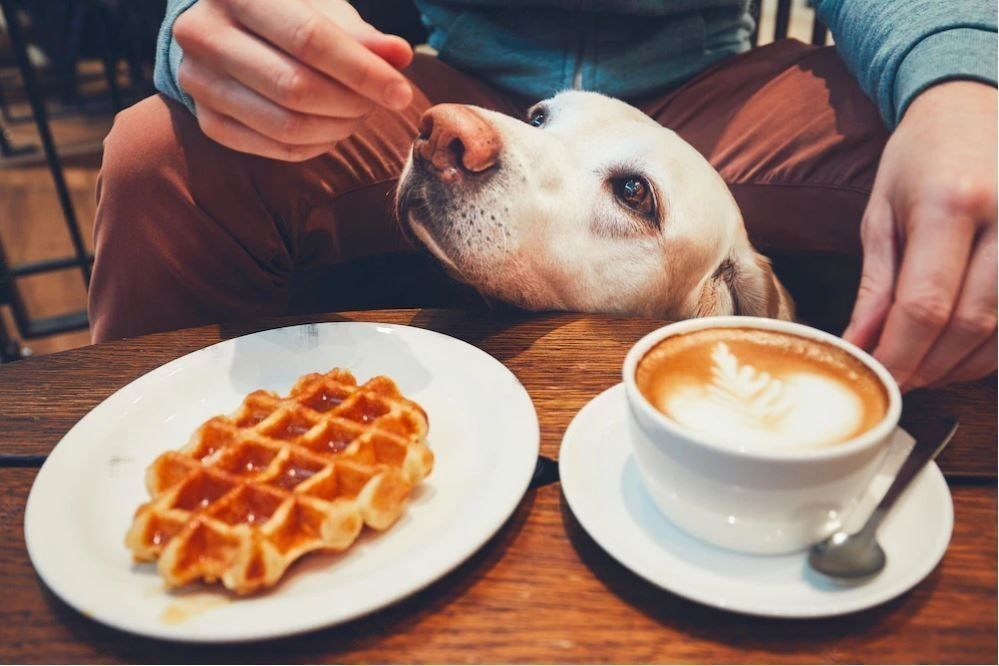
(455, 139)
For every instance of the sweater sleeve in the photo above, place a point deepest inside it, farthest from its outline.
(899, 48)
(169, 56)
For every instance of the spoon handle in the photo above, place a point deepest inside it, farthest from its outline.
(930, 441)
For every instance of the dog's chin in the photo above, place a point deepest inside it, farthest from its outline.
(425, 238)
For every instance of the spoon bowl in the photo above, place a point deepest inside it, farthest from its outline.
(859, 555)
(848, 556)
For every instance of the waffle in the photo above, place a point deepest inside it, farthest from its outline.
(254, 491)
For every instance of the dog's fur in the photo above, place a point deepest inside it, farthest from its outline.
(544, 228)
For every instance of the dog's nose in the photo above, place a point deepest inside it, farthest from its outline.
(455, 139)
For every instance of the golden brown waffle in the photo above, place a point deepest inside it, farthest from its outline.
(254, 491)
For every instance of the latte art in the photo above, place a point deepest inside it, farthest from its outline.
(758, 389)
(754, 396)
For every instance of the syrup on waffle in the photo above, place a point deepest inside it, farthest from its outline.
(254, 491)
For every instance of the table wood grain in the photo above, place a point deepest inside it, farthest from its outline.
(541, 590)
(564, 360)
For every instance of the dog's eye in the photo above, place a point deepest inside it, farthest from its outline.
(538, 117)
(635, 193)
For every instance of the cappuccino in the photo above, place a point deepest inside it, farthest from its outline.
(762, 389)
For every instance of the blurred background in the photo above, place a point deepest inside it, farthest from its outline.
(66, 67)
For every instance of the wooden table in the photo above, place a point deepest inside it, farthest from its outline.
(541, 589)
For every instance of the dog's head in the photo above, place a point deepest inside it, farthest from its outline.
(590, 205)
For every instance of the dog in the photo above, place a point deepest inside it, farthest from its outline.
(588, 206)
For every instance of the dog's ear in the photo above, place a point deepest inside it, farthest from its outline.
(745, 284)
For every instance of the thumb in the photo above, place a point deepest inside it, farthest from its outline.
(877, 282)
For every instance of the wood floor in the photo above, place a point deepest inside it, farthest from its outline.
(31, 223)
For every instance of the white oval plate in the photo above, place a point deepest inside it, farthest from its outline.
(483, 432)
(602, 485)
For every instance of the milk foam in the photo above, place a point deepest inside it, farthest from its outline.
(753, 409)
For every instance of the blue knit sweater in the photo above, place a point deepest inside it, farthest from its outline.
(895, 48)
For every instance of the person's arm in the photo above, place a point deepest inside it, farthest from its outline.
(284, 79)
(927, 304)
(899, 48)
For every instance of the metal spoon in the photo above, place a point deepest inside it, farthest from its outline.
(858, 555)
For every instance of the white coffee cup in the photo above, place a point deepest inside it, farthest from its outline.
(767, 501)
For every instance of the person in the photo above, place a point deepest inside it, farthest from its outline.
(282, 126)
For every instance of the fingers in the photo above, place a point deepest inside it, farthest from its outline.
(973, 320)
(877, 282)
(228, 97)
(312, 38)
(394, 50)
(929, 282)
(268, 72)
(286, 79)
(980, 362)
(233, 134)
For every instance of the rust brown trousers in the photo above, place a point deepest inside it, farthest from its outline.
(189, 232)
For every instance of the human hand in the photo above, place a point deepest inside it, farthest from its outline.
(927, 301)
(287, 79)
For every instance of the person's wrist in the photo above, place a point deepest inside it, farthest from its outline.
(956, 97)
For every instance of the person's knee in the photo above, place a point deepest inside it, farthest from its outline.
(141, 145)
(141, 180)
(142, 172)
(181, 232)
(138, 177)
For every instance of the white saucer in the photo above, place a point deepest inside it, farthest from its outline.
(602, 485)
(483, 432)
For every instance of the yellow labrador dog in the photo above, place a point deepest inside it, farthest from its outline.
(588, 206)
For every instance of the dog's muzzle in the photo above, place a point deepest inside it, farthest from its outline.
(456, 143)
